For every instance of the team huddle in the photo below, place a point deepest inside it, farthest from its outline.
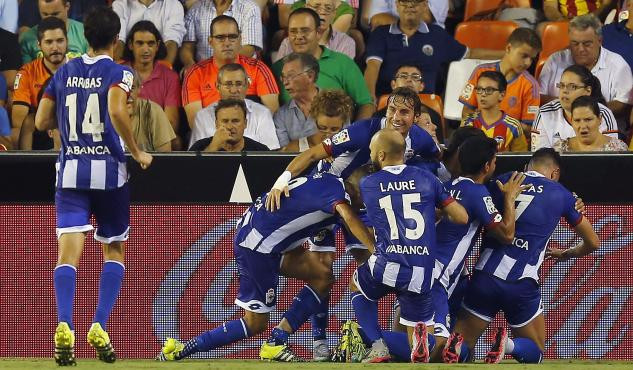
(378, 181)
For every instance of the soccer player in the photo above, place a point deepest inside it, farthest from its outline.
(477, 158)
(87, 99)
(506, 274)
(262, 239)
(401, 203)
(494, 122)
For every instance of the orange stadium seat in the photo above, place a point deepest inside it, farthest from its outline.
(555, 37)
(485, 34)
(477, 6)
(539, 67)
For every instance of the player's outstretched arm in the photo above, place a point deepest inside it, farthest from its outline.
(45, 116)
(590, 243)
(355, 225)
(504, 231)
(299, 164)
(117, 109)
(456, 213)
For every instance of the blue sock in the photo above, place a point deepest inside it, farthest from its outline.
(278, 337)
(367, 316)
(229, 332)
(65, 280)
(398, 344)
(465, 353)
(109, 288)
(304, 304)
(320, 319)
(431, 339)
(526, 351)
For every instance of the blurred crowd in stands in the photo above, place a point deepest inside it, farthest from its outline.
(255, 75)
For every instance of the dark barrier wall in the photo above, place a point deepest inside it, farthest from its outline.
(181, 278)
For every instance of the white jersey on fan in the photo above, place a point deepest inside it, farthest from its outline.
(551, 126)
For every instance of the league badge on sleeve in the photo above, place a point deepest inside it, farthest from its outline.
(16, 82)
(467, 92)
(340, 138)
(490, 206)
(127, 81)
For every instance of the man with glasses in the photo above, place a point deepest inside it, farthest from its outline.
(410, 39)
(199, 86)
(330, 38)
(233, 83)
(337, 71)
(495, 123)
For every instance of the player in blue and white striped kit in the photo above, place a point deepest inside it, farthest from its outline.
(401, 202)
(506, 274)
(87, 99)
(261, 240)
(477, 159)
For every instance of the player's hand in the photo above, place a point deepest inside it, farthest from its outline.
(273, 200)
(513, 187)
(143, 158)
(558, 255)
(579, 205)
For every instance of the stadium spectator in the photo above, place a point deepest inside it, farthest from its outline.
(233, 83)
(522, 99)
(29, 15)
(144, 48)
(10, 57)
(31, 80)
(562, 10)
(330, 37)
(167, 15)
(77, 43)
(5, 124)
(385, 12)
(494, 122)
(150, 126)
(199, 84)
(585, 48)
(293, 121)
(343, 12)
(553, 122)
(410, 39)
(336, 71)
(617, 36)
(199, 24)
(9, 15)
(230, 119)
(585, 120)
(409, 75)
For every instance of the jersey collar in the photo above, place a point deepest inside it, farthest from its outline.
(92, 60)
(395, 169)
(534, 174)
(461, 178)
(394, 29)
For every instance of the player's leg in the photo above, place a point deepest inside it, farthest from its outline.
(524, 312)
(112, 212)
(442, 320)
(417, 311)
(73, 221)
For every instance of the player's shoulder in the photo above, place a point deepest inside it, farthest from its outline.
(492, 66)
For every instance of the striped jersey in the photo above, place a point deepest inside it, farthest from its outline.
(455, 242)
(92, 154)
(401, 202)
(522, 97)
(552, 127)
(309, 208)
(507, 131)
(350, 147)
(538, 212)
(572, 8)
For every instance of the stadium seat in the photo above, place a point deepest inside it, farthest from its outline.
(458, 73)
(555, 37)
(477, 6)
(430, 100)
(539, 67)
(485, 34)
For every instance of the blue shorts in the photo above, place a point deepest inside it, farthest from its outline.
(519, 300)
(111, 209)
(414, 307)
(259, 277)
(325, 239)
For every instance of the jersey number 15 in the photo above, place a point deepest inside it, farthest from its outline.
(408, 212)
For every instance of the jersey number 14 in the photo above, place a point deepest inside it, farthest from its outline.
(91, 123)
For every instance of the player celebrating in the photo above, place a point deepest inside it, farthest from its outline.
(506, 274)
(261, 240)
(401, 203)
(87, 98)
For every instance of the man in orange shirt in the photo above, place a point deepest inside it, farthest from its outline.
(33, 77)
(522, 98)
(199, 90)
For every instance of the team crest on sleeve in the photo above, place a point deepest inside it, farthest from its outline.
(127, 81)
(16, 83)
(490, 206)
(270, 296)
(467, 92)
(340, 138)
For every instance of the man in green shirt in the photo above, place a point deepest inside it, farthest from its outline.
(337, 71)
(77, 43)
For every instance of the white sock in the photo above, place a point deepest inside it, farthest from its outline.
(509, 346)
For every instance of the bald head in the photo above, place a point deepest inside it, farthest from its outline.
(387, 148)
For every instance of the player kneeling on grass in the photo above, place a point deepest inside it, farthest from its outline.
(506, 274)
(261, 240)
(401, 203)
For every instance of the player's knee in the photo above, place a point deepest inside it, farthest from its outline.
(256, 322)
(114, 251)
(360, 255)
